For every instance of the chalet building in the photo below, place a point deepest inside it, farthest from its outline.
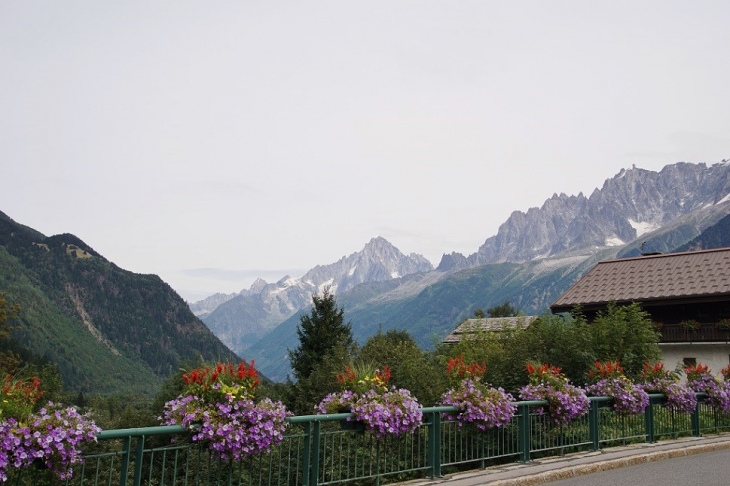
(686, 294)
(488, 324)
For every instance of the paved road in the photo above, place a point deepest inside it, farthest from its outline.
(706, 469)
(701, 461)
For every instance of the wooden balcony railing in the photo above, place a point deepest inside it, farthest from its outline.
(676, 333)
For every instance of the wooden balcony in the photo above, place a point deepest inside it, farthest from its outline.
(675, 333)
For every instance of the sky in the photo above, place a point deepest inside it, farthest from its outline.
(212, 143)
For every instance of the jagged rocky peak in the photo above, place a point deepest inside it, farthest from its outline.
(240, 320)
(452, 261)
(256, 287)
(633, 202)
(379, 260)
(208, 305)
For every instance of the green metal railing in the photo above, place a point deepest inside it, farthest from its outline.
(317, 450)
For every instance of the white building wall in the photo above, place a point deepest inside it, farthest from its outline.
(714, 355)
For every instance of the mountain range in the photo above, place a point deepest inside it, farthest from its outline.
(110, 330)
(532, 259)
(265, 305)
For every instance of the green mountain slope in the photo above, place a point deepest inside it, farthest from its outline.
(716, 236)
(107, 329)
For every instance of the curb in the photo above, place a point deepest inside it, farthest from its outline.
(575, 471)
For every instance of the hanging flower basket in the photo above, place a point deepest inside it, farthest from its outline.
(678, 396)
(218, 407)
(566, 402)
(609, 381)
(480, 405)
(701, 380)
(349, 423)
(381, 410)
(690, 325)
(724, 325)
(48, 439)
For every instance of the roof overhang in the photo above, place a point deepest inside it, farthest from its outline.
(645, 303)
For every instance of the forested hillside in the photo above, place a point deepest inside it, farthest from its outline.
(107, 329)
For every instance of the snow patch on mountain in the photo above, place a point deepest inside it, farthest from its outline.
(642, 227)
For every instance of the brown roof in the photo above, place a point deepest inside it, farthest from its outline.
(471, 326)
(694, 274)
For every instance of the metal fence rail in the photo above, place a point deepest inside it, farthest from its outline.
(325, 449)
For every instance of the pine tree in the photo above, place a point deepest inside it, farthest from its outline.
(320, 333)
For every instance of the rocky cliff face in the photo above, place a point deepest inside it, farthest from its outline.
(634, 202)
(246, 317)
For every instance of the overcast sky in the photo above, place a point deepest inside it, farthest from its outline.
(215, 142)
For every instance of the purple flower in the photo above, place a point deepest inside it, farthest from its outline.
(565, 403)
(628, 398)
(54, 435)
(393, 412)
(718, 394)
(479, 404)
(680, 397)
(234, 428)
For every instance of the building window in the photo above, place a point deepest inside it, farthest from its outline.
(691, 361)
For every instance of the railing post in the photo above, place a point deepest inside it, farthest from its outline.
(314, 477)
(696, 420)
(649, 421)
(138, 459)
(306, 452)
(524, 432)
(434, 444)
(124, 467)
(593, 426)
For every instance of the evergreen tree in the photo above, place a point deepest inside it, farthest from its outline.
(320, 333)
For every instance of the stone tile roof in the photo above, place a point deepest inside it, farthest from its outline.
(489, 324)
(673, 276)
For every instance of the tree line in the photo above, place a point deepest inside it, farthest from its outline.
(326, 347)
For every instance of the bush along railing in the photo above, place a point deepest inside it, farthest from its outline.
(481, 428)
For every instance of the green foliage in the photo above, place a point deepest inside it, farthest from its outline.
(310, 390)
(621, 333)
(7, 314)
(320, 332)
(503, 310)
(624, 333)
(564, 343)
(19, 362)
(411, 368)
(121, 411)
